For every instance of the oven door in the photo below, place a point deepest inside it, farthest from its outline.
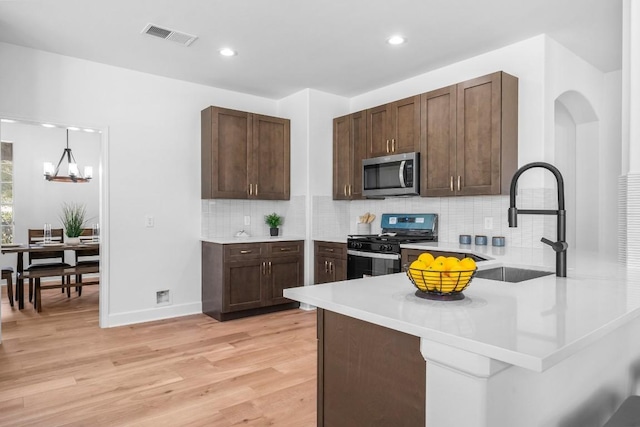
(365, 264)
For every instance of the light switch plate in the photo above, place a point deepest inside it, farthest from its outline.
(247, 220)
(148, 221)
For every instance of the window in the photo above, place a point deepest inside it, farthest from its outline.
(6, 191)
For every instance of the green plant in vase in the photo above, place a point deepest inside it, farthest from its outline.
(73, 221)
(274, 221)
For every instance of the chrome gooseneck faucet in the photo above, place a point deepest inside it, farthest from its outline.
(560, 246)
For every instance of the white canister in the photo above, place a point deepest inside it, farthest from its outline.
(364, 228)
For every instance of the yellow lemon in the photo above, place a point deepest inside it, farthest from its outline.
(418, 265)
(467, 264)
(426, 258)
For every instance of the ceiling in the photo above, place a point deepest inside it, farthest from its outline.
(284, 46)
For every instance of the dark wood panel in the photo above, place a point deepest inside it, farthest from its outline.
(271, 164)
(479, 135)
(284, 273)
(330, 261)
(378, 132)
(368, 375)
(358, 153)
(231, 134)
(243, 285)
(438, 160)
(212, 277)
(341, 157)
(405, 115)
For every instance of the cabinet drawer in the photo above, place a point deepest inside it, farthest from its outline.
(238, 252)
(283, 248)
(335, 250)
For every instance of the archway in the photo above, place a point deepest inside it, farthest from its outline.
(577, 130)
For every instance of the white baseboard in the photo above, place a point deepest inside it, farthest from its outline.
(152, 314)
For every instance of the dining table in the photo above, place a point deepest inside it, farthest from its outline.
(21, 249)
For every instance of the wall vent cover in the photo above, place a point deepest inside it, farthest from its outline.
(167, 34)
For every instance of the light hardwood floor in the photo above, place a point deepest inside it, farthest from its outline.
(58, 368)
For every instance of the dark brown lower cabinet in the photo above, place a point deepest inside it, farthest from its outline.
(368, 375)
(330, 262)
(244, 279)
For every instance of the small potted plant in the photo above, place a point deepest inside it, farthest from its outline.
(73, 221)
(273, 221)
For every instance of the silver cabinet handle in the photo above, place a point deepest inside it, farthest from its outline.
(387, 145)
(393, 145)
(264, 265)
(345, 189)
(285, 249)
(349, 189)
(451, 183)
(246, 251)
(256, 189)
(326, 266)
(458, 182)
(251, 189)
(269, 267)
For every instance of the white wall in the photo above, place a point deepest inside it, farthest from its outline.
(36, 200)
(154, 165)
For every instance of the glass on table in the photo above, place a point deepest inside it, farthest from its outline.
(95, 234)
(47, 233)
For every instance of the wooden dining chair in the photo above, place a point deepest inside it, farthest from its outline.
(7, 274)
(86, 257)
(44, 260)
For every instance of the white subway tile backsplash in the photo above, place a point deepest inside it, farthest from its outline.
(330, 218)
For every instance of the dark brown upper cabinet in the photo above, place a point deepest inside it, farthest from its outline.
(469, 137)
(244, 155)
(349, 148)
(394, 128)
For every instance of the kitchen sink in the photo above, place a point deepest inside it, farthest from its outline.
(511, 274)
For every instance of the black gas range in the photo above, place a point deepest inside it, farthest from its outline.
(378, 254)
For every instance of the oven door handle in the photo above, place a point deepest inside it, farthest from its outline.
(373, 255)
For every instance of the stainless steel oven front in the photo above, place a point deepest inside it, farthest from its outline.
(365, 264)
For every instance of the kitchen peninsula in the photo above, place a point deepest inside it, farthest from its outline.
(545, 352)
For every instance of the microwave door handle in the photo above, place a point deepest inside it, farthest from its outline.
(401, 174)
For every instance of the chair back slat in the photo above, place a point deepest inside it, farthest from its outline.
(87, 252)
(36, 235)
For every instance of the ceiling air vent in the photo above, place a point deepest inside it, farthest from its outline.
(167, 34)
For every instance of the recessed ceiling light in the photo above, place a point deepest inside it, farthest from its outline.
(395, 40)
(89, 130)
(228, 52)
(7, 121)
(73, 128)
(48, 125)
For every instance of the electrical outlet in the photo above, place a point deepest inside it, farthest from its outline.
(148, 221)
(488, 223)
(247, 220)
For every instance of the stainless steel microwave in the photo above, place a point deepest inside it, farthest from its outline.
(395, 175)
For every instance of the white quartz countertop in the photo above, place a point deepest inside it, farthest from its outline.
(250, 239)
(533, 324)
(333, 239)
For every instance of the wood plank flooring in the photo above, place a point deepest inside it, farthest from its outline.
(58, 368)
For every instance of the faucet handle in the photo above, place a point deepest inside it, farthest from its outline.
(556, 246)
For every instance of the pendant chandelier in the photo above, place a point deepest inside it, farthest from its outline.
(74, 175)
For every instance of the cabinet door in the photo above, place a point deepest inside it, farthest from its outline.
(405, 125)
(283, 273)
(438, 152)
(358, 152)
(322, 271)
(479, 136)
(243, 285)
(341, 157)
(226, 152)
(349, 148)
(378, 132)
(270, 166)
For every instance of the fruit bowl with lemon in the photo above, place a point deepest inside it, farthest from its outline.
(441, 278)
